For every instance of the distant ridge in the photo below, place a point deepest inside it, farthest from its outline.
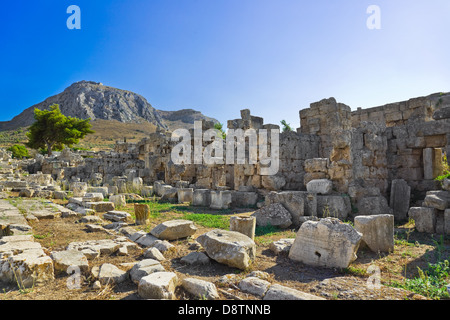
(88, 99)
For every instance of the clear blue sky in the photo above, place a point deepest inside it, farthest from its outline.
(219, 56)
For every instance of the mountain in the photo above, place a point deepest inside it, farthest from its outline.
(183, 118)
(88, 99)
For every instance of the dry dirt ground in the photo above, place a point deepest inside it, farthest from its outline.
(412, 250)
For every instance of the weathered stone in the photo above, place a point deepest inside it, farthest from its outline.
(100, 206)
(142, 213)
(312, 244)
(158, 285)
(92, 197)
(174, 229)
(144, 268)
(195, 258)
(316, 165)
(163, 245)
(117, 216)
(281, 246)
(254, 285)
(147, 240)
(26, 193)
(400, 199)
(220, 199)
(435, 201)
(244, 199)
(329, 206)
(273, 183)
(377, 231)
(244, 225)
(201, 198)
(185, 195)
(200, 289)
(424, 218)
(147, 191)
(279, 292)
(298, 203)
(373, 206)
(447, 221)
(228, 247)
(60, 195)
(109, 274)
(78, 188)
(154, 253)
(274, 214)
(67, 258)
(322, 186)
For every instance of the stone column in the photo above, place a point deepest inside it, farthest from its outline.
(142, 212)
(244, 225)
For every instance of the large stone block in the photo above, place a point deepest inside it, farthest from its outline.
(220, 199)
(312, 244)
(244, 199)
(274, 214)
(229, 247)
(322, 186)
(245, 225)
(435, 201)
(298, 203)
(202, 198)
(185, 195)
(158, 285)
(174, 229)
(400, 199)
(333, 206)
(424, 218)
(373, 205)
(69, 258)
(377, 231)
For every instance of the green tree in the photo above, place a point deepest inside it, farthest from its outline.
(286, 126)
(18, 151)
(219, 126)
(52, 130)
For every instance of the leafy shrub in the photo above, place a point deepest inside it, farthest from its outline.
(19, 151)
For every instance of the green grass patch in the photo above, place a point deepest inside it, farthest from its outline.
(209, 220)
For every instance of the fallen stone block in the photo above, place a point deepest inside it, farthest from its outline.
(254, 285)
(110, 274)
(117, 216)
(244, 224)
(435, 201)
(377, 231)
(69, 258)
(158, 285)
(424, 218)
(144, 268)
(312, 244)
(200, 289)
(195, 258)
(281, 246)
(279, 292)
(229, 247)
(174, 229)
(118, 200)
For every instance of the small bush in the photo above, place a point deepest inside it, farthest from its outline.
(19, 151)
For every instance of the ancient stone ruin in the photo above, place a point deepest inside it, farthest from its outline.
(372, 166)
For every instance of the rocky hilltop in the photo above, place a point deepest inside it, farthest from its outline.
(88, 99)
